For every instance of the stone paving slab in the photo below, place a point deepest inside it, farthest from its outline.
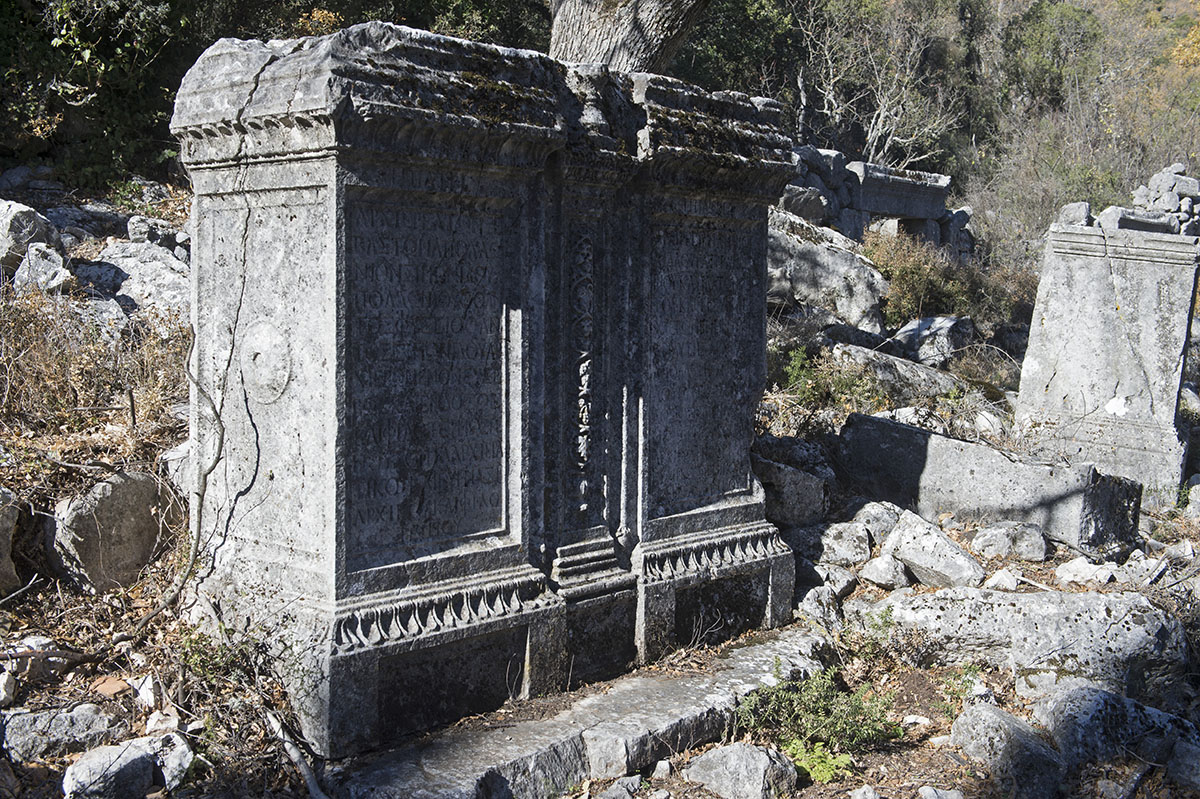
(639, 720)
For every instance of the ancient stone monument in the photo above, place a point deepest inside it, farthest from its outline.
(479, 340)
(1101, 377)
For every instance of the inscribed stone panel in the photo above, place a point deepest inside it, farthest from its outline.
(702, 356)
(425, 377)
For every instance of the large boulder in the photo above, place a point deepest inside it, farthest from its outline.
(742, 771)
(104, 538)
(1091, 724)
(1117, 641)
(21, 226)
(803, 265)
(1018, 759)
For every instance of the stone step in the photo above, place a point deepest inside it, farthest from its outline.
(639, 720)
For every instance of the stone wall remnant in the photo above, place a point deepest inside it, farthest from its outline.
(1074, 505)
(484, 338)
(1101, 377)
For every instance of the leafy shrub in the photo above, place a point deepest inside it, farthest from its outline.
(802, 715)
(926, 281)
(817, 762)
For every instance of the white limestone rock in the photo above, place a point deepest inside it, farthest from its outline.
(1018, 759)
(21, 226)
(1090, 724)
(1011, 539)
(1118, 641)
(104, 538)
(139, 275)
(931, 556)
(742, 771)
(885, 572)
(934, 340)
(42, 269)
(129, 768)
(48, 733)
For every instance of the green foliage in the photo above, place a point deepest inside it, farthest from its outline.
(822, 382)
(1049, 49)
(820, 764)
(215, 660)
(818, 710)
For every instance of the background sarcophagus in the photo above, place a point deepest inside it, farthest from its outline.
(478, 342)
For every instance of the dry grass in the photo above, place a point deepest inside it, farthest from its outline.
(76, 391)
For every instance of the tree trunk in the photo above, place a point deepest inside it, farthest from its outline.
(626, 35)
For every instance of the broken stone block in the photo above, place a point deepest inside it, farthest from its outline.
(937, 339)
(42, 269)
(885, 572)
(887, 191)
(129, 768)
(46, 733)
(931, 556)
(1077, 506)
(901, 379)
(794, 497)
(1111, 397)
(1049, 637)
(1011, 539)
(1020, 762)
(1089, 724)
(1079, 213)
(820, 273)
(1115, 218)
(1002, 580)
(21, 226)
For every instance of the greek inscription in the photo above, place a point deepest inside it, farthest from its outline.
(425, 392)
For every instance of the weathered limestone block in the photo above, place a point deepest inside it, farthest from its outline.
(1101, 377)
(104, 538)
(810, 270)
(1092, 513)
(471, 340)
(1019, 760)
(1117, 641)
(901, 192)
(930, 554)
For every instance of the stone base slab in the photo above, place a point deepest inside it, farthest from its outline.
(637, 721)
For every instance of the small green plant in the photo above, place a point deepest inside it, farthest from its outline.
(818, 721)
(955, 687)
(870, 642)
(817, 762)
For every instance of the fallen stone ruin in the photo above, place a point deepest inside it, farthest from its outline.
(479, 347)
(483, 356)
